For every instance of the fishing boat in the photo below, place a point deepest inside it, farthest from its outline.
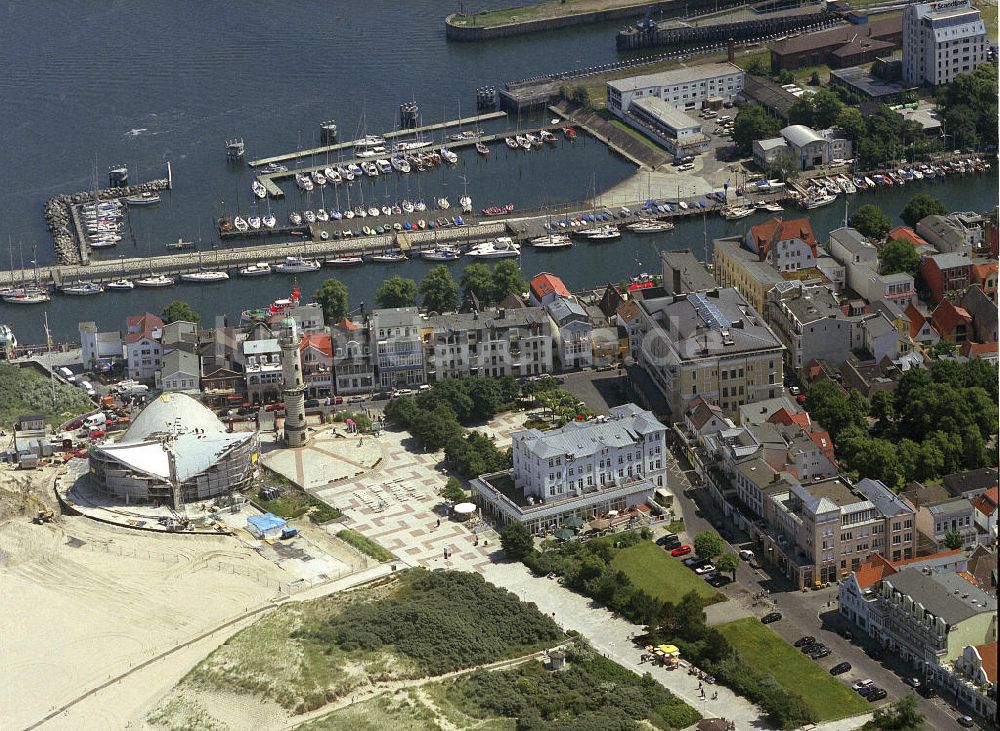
(258, 189)
(28, 296)
(295, 218)
(548, 137)
(389, 257)
(449, 157)
(120, 285)
(733, 213)
(499, 248)
(269, 221)
(260, 269)
(482, 149)
(253, 222)
(205, 276)
(551, 241)
(345, 260)
(160, 280)
(81, 289)
(303, 181)
(180, 244)
(441, 253)
(650, 227)
(147, 198)
(240, 224)
(296, 264)
(570, 133)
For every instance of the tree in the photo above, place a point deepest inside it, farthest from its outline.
(784, 166)
(179, 311)
(814, 79)
(516, 541)
(851, 123)
(332, 297)
(438, 291)
(507, 279)
(478, 280)
(728, 561)
(708, 545)
(953, 540)
(434, 429)
(901, 715)
(752, 123)
(452, 490)
(801, 111)
(397, 291)
(883, 410)
(921, 206)
(827, 404)
(826, 108)
(898, 256)
(870, 221)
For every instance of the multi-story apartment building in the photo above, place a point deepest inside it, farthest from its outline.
(353, 366)
(572, 333)
(684, 88)
(945, 275)
(398, 347)
(316, 353)
(710, 344)
(939, 512)
(810, 324)
(494, 342)
(860, 260)
(956, 233)
(262, 366)
(143, 351)
(583, 469)
(941, 40)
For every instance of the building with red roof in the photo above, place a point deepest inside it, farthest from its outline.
(984, 273)
(316, 350)
(143, 351)
(786, 245)
(945, 275)
(545, 288)
(907, 234)
(953, 323)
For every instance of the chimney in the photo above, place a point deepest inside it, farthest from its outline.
(731, 50)
(676, 281)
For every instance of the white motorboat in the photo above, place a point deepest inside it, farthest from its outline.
(318, 178)
(258, 189)
(269, 221)
(309, 216)
(303, 181)
(147, 198)
(295, 218)
(253, 222)
(260, 269)
(466, 203)
(345, 260)
(332, 176)
(399, 163)
(442, 253)
(386, 210)
(551, 241)
(510, 142)
(373, 211)
(449, 157)
(818, 200)
(346, 172)
(370, 168)
(683, 205)
(733, 213)
(533, 140)
(389, 257)
(296, 264)
(82, 289)
(548, 137)
(120, 285)
(407, 206)
(205, 276)
(522, 142)
(772, 207)
(383, 165)
(161, 280)
(322, 215)
(499, 248)
(101, 242)
(602, 233)
(650, 227)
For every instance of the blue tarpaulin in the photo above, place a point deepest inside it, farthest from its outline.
(268, 523)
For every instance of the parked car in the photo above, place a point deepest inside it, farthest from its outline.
(355, 399)
(719, 581)
(770, 617)
(820, 652)
(840, 668)
(746, 555)
(681, 550)
(312, 403)
(866, 683)
(846, 634)
(667, 538)
(704, 569)
(912, 682)
(876, 695)
(927, 691)
(803, 641)
(965, 721)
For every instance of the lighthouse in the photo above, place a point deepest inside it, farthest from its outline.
(294, 389)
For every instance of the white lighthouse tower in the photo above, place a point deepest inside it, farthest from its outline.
(294, 389)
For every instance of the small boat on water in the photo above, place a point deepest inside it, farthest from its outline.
(260, 269)
(303, 181)
(570, 133)
(258, 189)
(407, 206)
(296, 264)
(482, 149)
(441, 253)
(499, 248)
(253, 222)
(160, 280)
(449, 157)
(466, 203)
(772, 207)
(443, 204)
(547, 136)
(240, 224)
(551, 241)
(309, 216)
(601, 233)
(522, 142)
(734, 213)
(533, 140)
(345, 260)
(295, 218)
(818, 200)
(274, 167)
(120, 285)
(318, 178)
(332, 176)
(373, 211)
(510, 142)
(205, 276)
(389, 257)
(147, 198)
(650, 227)
(322, 215)
(269, 221)
(81, 289)
(383, 165)
(27, 296)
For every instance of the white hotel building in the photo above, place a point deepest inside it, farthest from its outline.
(685, 89)
(941, 40)
(583, 469)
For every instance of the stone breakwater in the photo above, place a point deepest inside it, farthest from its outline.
(60, 220)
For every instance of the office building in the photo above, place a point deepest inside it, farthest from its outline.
(684, 88)
(942, 40)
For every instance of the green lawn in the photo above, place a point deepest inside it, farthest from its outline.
(765, 652)
(661, 575)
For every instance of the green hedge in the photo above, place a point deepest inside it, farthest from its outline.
(365, 545)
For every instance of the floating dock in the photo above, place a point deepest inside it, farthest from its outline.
(387, 136)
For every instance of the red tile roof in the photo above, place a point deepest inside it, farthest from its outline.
(321, 341)
(917, 319)
(988, 653)
(939, 554)
(907, 234)
(824, 442)
(786, 417)
(978, 350)
(969, 577)
(987, 502)
(764, 234)
(545, 284)
(979, 272)
(946, 317)
(346, 324)
(141, 326)
(873, 571)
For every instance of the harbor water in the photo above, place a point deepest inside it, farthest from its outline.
(90, 85)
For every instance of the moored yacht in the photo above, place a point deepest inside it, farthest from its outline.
(296, 264)
(260, 269)
(551, 241)
(159, 280)
(650, 227)
(205, 276)
(81, 289)
(499, 248)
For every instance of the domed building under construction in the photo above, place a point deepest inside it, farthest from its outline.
(176, 451)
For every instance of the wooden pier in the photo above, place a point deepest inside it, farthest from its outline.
(387, 135)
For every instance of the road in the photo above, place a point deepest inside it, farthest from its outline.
(803, 613)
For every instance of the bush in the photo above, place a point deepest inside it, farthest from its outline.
(364, 544)
(453, 491)
(516, 541)
(26, 391)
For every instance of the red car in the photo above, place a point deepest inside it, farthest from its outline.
(681, 551)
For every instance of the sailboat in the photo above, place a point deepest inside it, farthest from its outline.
(258, 189)
(160, 280)
(27, 295)
(81, 289)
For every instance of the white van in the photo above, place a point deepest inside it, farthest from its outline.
(746, 555)
(95, 421)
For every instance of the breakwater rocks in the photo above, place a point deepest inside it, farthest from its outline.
(64, 227)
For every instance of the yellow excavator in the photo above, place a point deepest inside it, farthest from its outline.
(41, 512)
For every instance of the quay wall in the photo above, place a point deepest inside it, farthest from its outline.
(633, 39)
(456, 31)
